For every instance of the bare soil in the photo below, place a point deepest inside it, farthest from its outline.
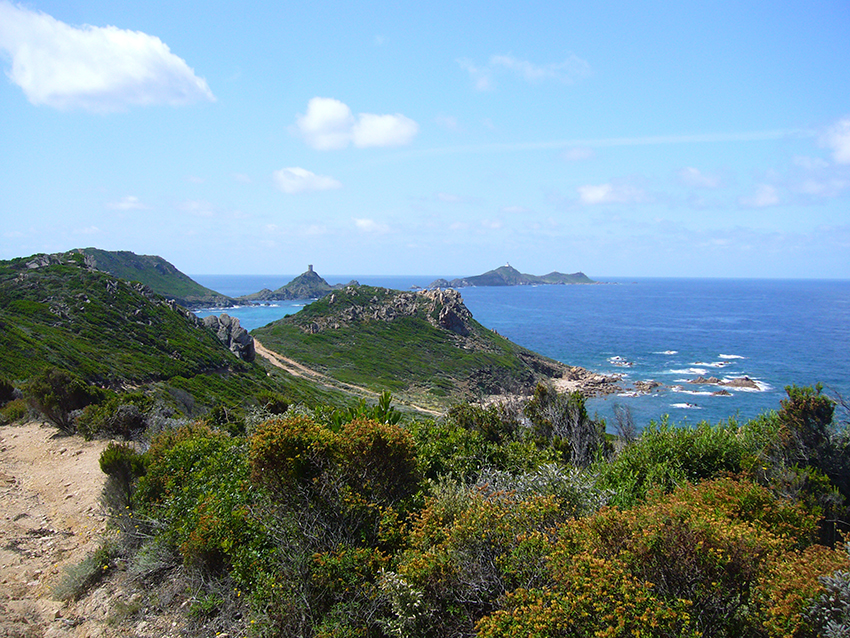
(51, 519)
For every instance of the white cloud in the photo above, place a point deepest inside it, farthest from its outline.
(371, 226)
(611, 194)
(765, 195)
(329, 124)
(449, 198)
(90, 230)
(242, 178)
(578, 153)
(294, 180)
(492, 224)
(97, 69)
(131, 202)
(693, 177)
(810, 163)
(480, 75)
(194, 179)
(568, 71)
(830, 187)
(838, 139)
(573, 68)
(383, 130)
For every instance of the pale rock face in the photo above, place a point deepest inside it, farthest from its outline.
(232, 335)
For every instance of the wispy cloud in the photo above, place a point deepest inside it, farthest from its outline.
(577, 154)
(610, 193)
(837, 138)
(612, 142)
(693, 177)
(371, 226)
(294, 180)
(568, 71)
(572, 69)
(99, 69)
(764, 196)
(329, 124)
(131, 202)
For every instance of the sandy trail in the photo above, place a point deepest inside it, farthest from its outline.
(296, 369)
(50, 517)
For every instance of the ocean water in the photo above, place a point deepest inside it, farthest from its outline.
(776, 332)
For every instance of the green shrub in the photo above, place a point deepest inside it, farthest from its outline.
(465, 551)
(122, 465)
(273, 402)
(196, 491)
(79, 578)
(123, 415)
(494, 423)
(57, 394)
(14, 411)
(722, 558)
(562, 421)
(666, 456)
(289, 452)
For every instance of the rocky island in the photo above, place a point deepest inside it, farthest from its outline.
(307, 285)
(507, 275)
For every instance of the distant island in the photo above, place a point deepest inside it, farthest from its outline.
(507, 275)
(307, 285)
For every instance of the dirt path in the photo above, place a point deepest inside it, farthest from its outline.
(296, 369)
(50, 517)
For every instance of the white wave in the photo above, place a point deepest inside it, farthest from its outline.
(685, 406)
(689, 371)
(696, 393)
(668, 352)
(730, 356)
(761, 386)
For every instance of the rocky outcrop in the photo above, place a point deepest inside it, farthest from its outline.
(232, 335)
(744, 383)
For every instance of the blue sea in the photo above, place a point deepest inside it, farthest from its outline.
(776, 332)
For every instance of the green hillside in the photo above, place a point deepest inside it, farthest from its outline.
(156, 273)
(56, 312)
(420, 345)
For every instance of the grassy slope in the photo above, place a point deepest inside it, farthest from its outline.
(108, 332)
(157, 273)
(101, 327)
(407, 355)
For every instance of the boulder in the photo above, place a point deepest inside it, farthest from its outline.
(232, 335)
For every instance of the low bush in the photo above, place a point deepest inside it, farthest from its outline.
(79, 578)
(721, 558)
(14, 411)
(124, 415)
(57, 394)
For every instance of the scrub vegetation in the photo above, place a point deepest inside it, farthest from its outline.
(270, 506)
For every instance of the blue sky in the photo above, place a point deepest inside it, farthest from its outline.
(442, 138)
